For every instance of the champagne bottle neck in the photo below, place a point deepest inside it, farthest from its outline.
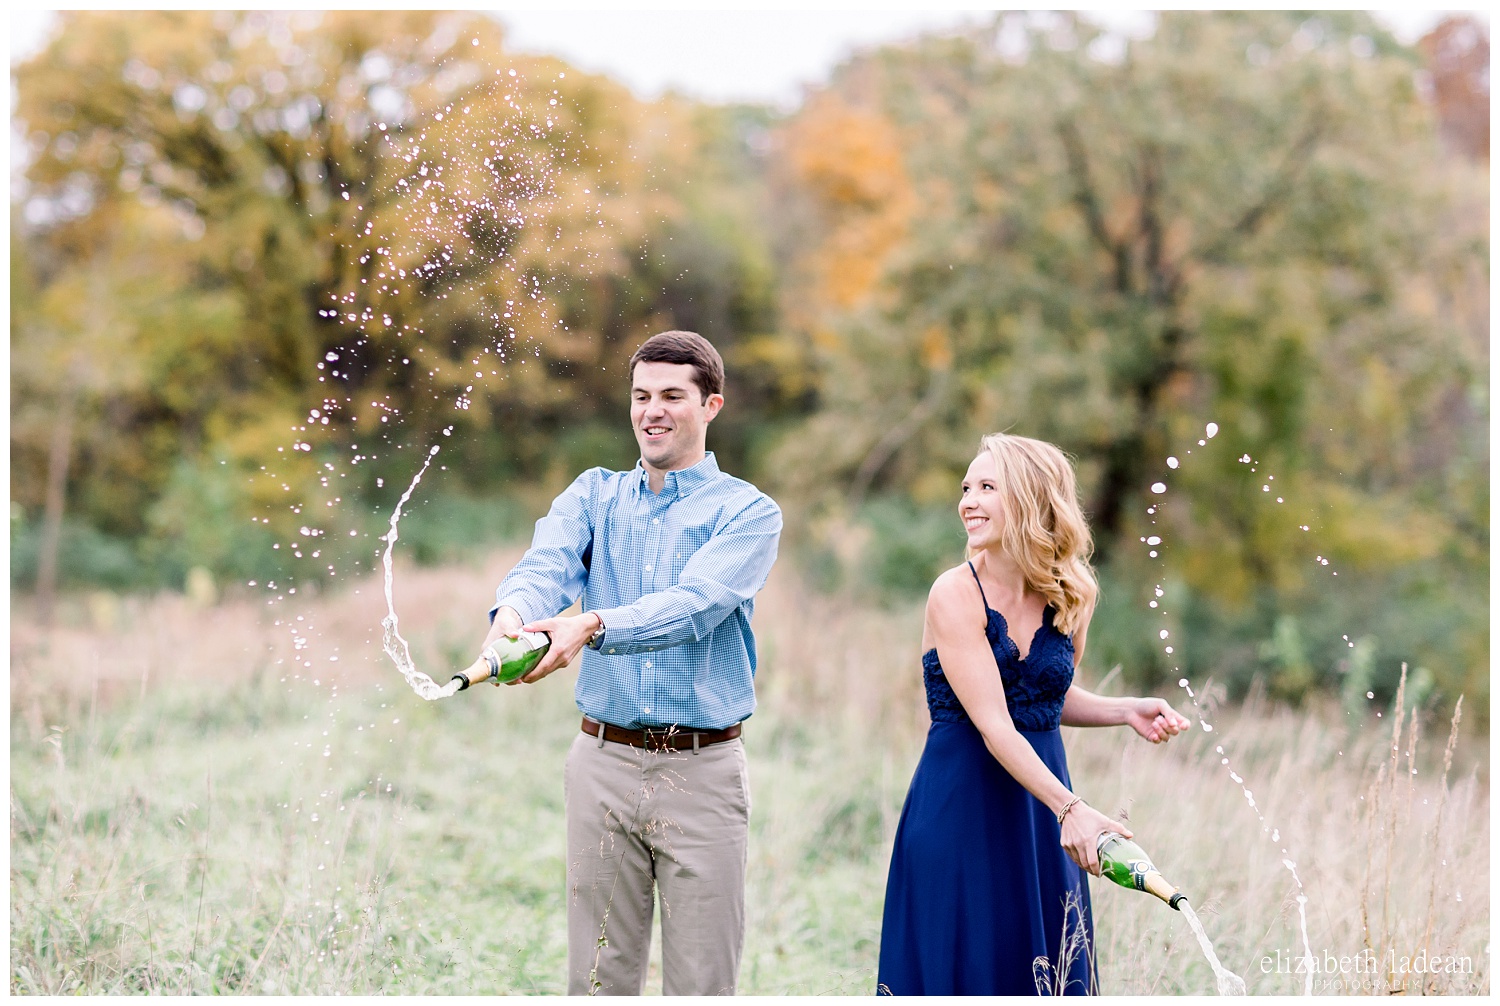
(1155, 883)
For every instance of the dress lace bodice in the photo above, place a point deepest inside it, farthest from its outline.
(1034, 687)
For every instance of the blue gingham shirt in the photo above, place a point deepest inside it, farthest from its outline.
(673, 576)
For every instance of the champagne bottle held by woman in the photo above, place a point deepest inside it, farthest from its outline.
(1127, 864)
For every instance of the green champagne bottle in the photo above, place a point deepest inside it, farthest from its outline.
(1127, 864)
(506, 659)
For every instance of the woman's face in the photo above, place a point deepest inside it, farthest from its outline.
(979, 503)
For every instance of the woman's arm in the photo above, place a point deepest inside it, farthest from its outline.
(954, 610)
(1082, 708)
(1152, 718)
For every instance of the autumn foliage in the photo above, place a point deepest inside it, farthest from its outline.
(263, 262)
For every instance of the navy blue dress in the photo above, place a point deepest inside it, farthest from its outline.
(981, 898)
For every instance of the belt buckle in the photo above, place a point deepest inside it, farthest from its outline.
(658, 738)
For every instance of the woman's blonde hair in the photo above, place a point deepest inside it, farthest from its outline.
(1043, 529)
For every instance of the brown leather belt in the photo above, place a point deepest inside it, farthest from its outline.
(661, 738)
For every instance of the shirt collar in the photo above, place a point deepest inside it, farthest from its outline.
(679, 483)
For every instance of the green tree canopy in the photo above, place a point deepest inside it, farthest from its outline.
(316, 240)
(1245, 219)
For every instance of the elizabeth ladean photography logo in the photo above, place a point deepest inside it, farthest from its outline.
(1363, 967)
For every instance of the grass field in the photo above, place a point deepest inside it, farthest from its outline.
(202, 800)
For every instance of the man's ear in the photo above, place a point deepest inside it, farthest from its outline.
(713, 405)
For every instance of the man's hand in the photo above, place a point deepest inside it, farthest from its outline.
(568, 633)
(507, 623)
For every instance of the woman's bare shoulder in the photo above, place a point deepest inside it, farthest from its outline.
(953, 591)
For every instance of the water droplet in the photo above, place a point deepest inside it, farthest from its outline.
(1153, 540)
(1182, 682)
(1163, 634)
(1172, 462)
(1208, 728)
(1158, 487)
(1213, 429)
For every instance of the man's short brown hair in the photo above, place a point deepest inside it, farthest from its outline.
(685, 347)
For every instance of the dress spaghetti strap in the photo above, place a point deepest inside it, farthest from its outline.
(981, 589)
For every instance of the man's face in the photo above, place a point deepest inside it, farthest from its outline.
(669, 415)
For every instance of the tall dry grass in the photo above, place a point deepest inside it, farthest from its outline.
(203, 801)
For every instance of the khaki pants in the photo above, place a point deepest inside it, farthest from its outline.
(672, 820)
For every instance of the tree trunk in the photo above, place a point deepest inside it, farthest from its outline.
(57, 480)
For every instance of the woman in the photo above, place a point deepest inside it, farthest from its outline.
(986, 893)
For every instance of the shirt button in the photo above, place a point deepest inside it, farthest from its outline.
(656, 520)
(648, 663)
(647, 709)
(611, 649)
(648, 569)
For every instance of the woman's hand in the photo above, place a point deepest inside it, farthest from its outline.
(1154, 720)
(1080, 835)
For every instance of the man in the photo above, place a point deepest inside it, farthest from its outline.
(668, 558)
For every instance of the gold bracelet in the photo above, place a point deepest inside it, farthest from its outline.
(1067, 807)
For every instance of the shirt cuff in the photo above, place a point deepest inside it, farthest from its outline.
(620, 627)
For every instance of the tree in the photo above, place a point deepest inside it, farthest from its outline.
(1244, 219)
(364, 233)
